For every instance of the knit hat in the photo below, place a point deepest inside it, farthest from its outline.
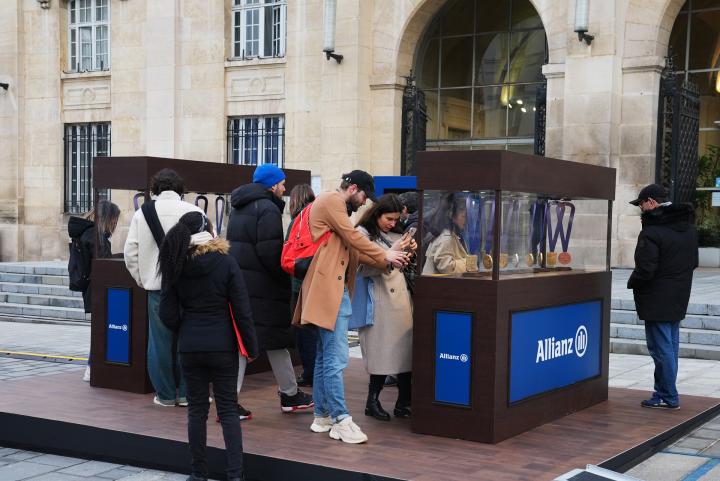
(268, 175)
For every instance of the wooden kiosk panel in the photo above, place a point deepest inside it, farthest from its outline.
(493, 300)
(110, 275)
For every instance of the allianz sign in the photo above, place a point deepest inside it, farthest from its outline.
(551, 348)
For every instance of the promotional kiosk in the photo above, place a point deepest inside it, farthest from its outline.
(119, 333)
(512, 306)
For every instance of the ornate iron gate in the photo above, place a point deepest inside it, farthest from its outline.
(676, 166)
(540, 115)
(414, 121)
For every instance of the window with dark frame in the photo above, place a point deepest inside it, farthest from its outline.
(256, 140)
(82, 143)
(88, 35)
(480, 67)
(258, 28)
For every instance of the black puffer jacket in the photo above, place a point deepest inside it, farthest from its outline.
(256, 239)
(665, 257)
(198, 305)
(85, 230)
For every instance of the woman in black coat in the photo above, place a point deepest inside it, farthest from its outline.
(256, 238)
(204, 300)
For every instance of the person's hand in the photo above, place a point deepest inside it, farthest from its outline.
(402, 243)
(412, 247)
(251, 359)
(398, 259)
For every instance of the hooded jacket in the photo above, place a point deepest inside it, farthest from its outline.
(198, 305)
(84, 229)
(256, 238)
(665, 257)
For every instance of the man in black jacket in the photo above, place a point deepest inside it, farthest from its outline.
(256, 238)
(665, 257)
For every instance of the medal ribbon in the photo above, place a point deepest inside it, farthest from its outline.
(553, 235)
(511, 220)
(565, 236)
(487, 223)
(537, 215)
(473, 230)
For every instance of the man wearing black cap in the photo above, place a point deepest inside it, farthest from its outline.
(665, 257)
(324, 302)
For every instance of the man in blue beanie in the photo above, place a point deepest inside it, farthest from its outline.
(256, 238)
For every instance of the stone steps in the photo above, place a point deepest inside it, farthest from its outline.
(692, 351)
(48, 290)
(45, 312)
(41, 300)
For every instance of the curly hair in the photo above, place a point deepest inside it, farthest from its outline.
(167, 179)
(175, 247)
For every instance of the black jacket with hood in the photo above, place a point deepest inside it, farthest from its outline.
(256, 238)
(198, 305)
(665, 257)
(84, 229)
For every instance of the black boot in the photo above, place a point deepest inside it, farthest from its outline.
(373, 407)
(402, 405)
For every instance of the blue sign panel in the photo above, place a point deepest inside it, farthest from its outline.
(453, 357)
(385, 184)
(117, 330)
(554, 347)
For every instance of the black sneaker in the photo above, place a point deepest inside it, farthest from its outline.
(655, 403)
(304, 381)
(299, 401)
(390, 381)
(242, 414)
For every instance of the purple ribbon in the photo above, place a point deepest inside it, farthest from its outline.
(537, 210)
(559, 231)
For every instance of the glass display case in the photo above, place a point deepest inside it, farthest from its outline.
(538, 234)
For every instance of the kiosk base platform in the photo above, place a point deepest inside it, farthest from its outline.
(63, 415)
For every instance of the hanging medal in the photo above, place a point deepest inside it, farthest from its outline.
(536, 236)
(510, 224)
(553, 234)
(565, 258)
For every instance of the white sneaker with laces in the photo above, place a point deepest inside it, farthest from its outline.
(321, 425)
(348, 432)
(86, 376)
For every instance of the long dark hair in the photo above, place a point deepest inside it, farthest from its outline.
(174, 248)
(300, 196)
(442, 218)
(386, 204)
(105, 215)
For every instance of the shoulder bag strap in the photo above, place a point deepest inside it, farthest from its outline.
(153, 221)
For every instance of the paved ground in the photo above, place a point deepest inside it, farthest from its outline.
(693, 458)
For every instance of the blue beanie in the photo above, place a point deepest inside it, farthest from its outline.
(268, 175)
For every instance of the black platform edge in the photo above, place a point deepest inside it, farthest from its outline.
(99, 444)
(636, 455)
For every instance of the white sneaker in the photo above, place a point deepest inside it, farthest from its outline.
(86, 376)
(160, 402)
(348, 432)
(321, 425)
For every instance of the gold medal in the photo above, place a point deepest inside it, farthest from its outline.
(503, 260)
(530, 260)
(487, 261)
(565, 258)
(551, 259)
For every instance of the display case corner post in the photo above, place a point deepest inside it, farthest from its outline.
(497, 221)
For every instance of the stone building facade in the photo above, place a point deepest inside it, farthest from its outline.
(168, 77)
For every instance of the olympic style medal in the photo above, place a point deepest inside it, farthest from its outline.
(503, 260)
(487, 261)
(530, 260)
(551, 259)
(565, 258)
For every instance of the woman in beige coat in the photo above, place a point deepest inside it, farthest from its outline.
(447, 253)
(387, 343)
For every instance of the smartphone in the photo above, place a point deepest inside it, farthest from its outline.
(410, 232)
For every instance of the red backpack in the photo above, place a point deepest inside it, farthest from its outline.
(299, 249)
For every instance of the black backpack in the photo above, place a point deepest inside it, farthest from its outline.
(79, 265)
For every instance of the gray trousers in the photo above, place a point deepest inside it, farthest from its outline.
(282, 368)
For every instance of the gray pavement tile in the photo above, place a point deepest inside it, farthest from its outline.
(713, 450)
(118, 473)
(89, 468)
(667, 467)
(132, 469)
(6, 451)
(676, 450)
(58, 476)
(705, 433)
(21, 456)
(694, 443)
(24, 470)
(58, 461)
(149, 475)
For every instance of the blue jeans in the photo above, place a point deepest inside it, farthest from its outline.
(330, 362)
(663, 342)
(161, 362)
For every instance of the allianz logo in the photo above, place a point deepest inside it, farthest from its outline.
(551, 348)
(118, 327)
(454, 357)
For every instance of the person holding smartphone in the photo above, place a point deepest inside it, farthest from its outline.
(386, 343)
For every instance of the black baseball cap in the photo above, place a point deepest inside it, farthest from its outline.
(652, 191)
(364, 181)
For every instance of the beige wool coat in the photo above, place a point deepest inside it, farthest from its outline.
(387, 345)
(335, 263)
(445, 255)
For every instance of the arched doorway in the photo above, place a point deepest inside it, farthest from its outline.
(479, 64)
